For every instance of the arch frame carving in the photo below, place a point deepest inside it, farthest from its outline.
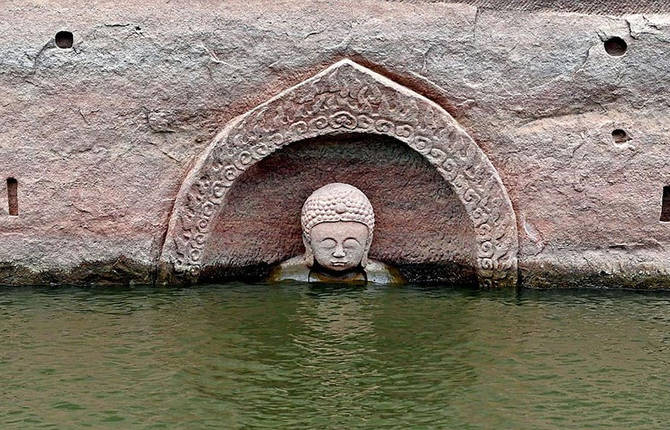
(347, 98)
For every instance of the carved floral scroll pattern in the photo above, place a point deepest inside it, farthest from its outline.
(349, 98)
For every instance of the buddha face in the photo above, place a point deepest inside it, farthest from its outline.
(339, 246)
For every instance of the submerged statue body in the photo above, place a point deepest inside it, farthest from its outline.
(337, 225)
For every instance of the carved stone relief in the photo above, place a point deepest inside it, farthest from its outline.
(347, 98)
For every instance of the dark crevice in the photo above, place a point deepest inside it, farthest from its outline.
(615, 46)
(64, 39)
(13, 196)
(665, 208)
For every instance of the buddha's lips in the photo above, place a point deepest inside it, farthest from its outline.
(338, 263)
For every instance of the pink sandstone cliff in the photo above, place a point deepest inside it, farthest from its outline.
(567, 109)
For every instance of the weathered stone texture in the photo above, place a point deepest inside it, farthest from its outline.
(346, 98)
(418, 220)
(100, 137)
(608, 7)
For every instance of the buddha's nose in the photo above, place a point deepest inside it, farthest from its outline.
(339, 251)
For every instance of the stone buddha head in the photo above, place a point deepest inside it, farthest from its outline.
(337, 224)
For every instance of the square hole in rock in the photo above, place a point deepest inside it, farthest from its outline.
(665, 208)
(12, 196)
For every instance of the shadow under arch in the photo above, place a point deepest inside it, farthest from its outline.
(346, 98)
(421, 227)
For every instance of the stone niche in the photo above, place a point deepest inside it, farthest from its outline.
(443, 212)
(421, 226)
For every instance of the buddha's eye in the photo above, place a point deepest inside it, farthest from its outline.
(351, 243)
(328, 243)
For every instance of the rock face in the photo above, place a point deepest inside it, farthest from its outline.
(420, 209)
(556, 125)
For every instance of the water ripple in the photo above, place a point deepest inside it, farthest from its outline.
(295, 356)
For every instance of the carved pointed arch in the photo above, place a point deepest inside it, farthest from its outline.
(347, 97)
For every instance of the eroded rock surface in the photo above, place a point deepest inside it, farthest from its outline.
(101, 136)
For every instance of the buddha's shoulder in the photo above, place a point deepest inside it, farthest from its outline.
(381, 273)
(293, 269)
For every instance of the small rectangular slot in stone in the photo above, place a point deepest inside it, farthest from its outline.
(12, 196)
(665, 209)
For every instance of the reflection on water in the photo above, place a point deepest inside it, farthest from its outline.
(295, 356)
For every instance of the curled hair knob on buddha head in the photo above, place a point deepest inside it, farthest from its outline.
(334, 203)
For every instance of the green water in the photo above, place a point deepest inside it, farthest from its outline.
(255, 356)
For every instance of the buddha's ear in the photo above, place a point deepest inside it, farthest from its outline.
(309, 255)
(365, 260)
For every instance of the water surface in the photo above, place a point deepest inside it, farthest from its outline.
(294, 356)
